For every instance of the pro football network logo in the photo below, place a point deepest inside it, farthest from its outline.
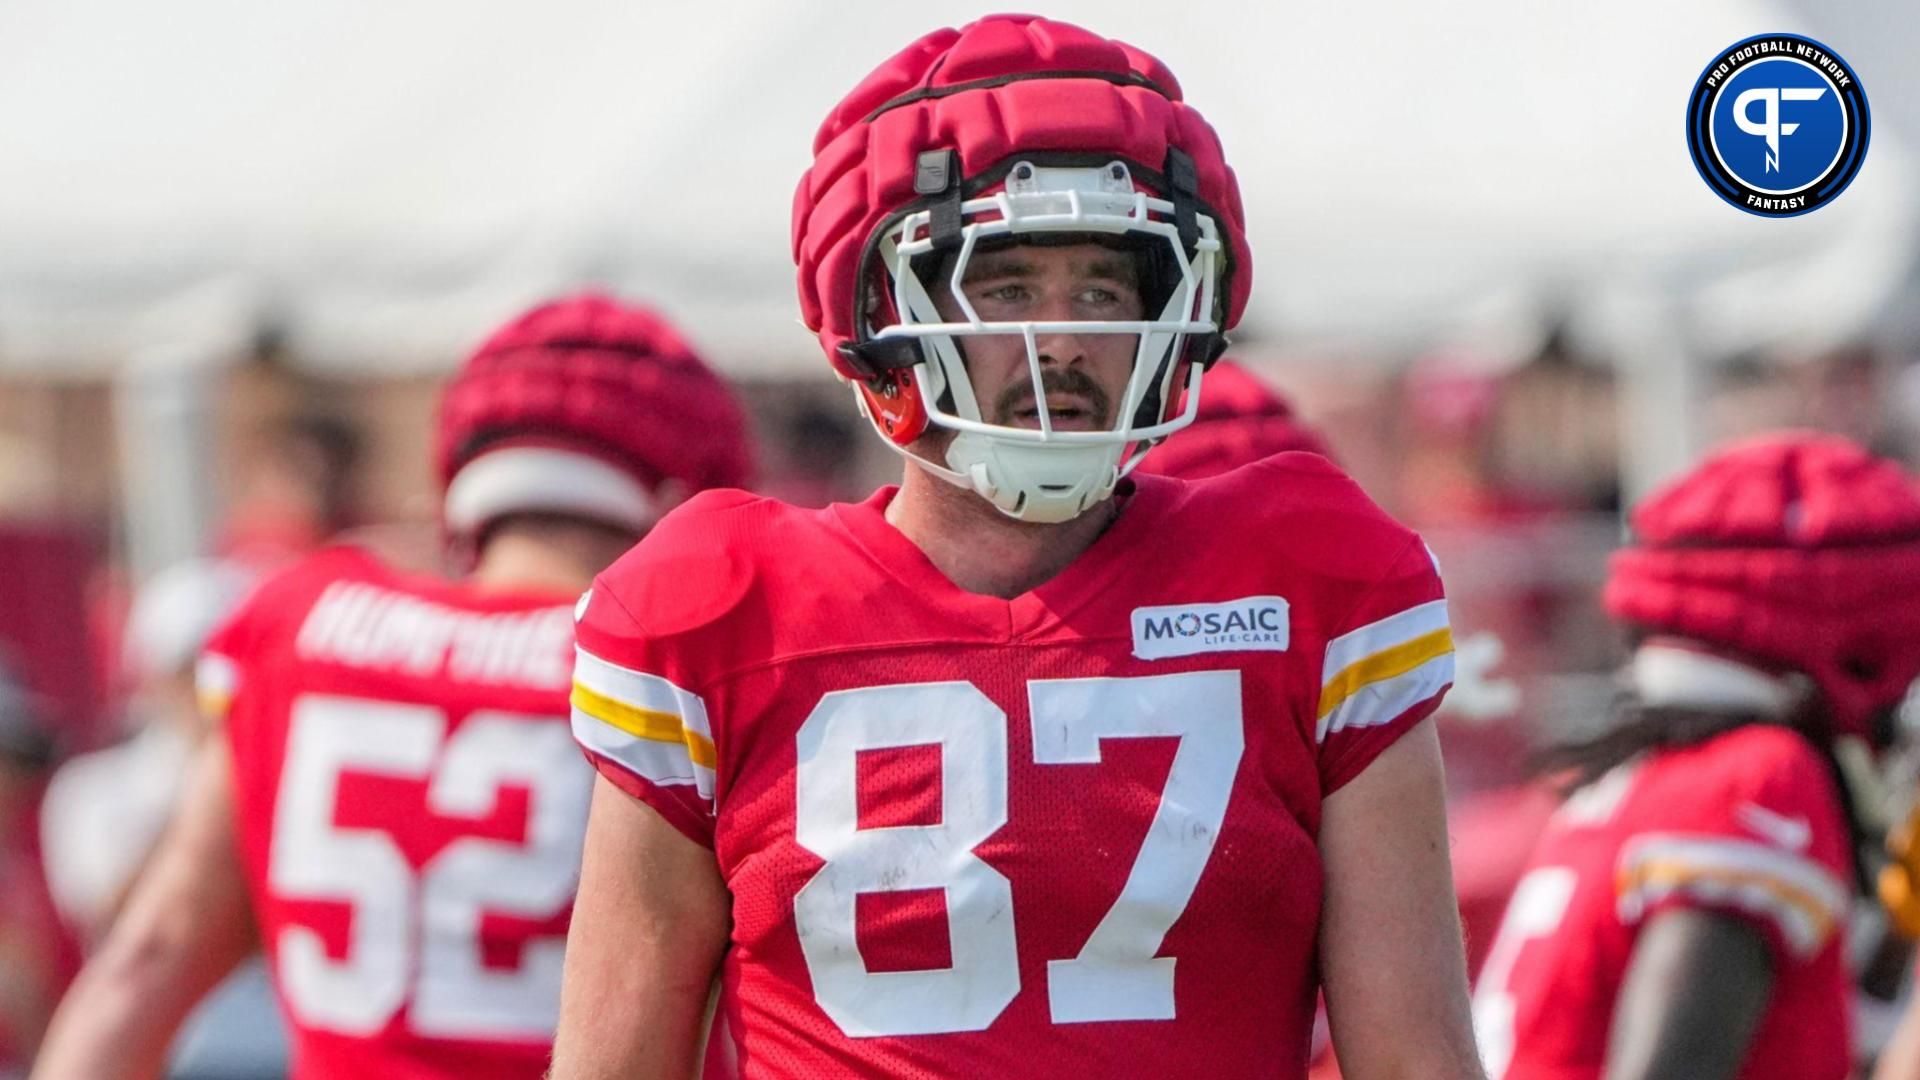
(1778, 125)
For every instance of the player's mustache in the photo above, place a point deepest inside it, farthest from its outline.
(1055, 380)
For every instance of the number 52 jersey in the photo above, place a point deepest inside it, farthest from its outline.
(409, 810)
(973, 836)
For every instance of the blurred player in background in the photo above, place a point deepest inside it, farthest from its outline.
(37, 955)
(295, 489)
(1020, 769)
(1684, 914)
(105, 810)
(393, 804)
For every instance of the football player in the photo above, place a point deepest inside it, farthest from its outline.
(392, 805)
(1683, 914)
(1024, 768)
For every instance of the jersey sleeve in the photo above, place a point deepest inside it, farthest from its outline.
(1759, 839)
(241, 649)
(1385, 669)
(221, 665)
(646, 733)
(216, 679)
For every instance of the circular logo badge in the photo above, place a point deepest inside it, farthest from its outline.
(1778, 125)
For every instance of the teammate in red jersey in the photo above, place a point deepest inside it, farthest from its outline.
(1020, 769)
(1684, 913)
(393, 806)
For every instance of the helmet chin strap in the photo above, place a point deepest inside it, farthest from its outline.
(1028, 482)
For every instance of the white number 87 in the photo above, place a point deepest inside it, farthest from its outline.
(1116, 976)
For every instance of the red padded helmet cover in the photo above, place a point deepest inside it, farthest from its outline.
(1241, 420)
(1800, 550)
(864, 164)
(598, 375)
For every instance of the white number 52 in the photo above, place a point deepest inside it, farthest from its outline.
(430, 925)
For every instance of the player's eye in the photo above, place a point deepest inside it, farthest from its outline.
(1010, 293)
(1105, 296)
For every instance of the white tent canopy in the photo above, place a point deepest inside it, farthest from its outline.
(385, 181)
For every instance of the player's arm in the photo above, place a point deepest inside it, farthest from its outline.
(1693, 994)
(649, 927)
(1761, 816)
(1393, 965)
(1900, 1060)
(187, 924)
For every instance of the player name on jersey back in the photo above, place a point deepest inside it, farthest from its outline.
(366, 626)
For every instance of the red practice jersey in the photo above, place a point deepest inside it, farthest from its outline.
(410, 814)
(1747, 825)
(1071, 831)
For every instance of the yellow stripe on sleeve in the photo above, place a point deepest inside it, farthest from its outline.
(1385, 664)
(216, 678)
(644, 724)
(213, 704)
(1668, 875)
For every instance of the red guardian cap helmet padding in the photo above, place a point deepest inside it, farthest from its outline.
(1798, 551)
(589, 408)
(1241, 420)
(1016, 128)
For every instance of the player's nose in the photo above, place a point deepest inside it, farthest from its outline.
(1059, 347)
